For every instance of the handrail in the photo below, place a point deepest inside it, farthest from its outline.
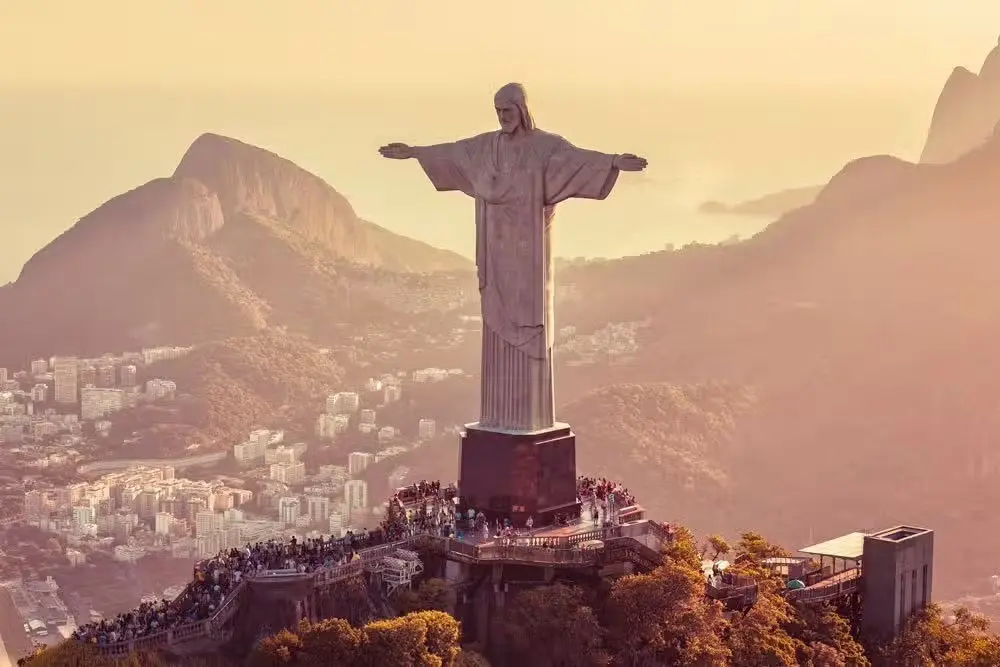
(531, 549)
(825, 590)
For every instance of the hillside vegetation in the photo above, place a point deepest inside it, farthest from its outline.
(864, 327)
(230, 387)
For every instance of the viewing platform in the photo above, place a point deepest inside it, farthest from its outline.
(575, 546)
(483, 566)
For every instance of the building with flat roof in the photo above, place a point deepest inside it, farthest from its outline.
(893, 569)
(899, 572)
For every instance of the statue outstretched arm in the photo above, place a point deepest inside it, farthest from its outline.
(448, 166)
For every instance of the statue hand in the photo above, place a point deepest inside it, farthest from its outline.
(629, 162)
(397, 151)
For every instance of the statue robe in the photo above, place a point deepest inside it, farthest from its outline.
(516, 185)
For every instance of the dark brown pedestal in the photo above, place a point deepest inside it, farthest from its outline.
(516, 475)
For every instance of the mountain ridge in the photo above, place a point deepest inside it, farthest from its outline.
(236, 240)
(862, 325)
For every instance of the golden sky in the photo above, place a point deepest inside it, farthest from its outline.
(703, 43)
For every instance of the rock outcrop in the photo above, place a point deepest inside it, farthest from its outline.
(966, 112)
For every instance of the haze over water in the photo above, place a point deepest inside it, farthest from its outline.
(727, 101)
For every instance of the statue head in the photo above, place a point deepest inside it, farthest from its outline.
(511, 104)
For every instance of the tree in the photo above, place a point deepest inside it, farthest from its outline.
(282, 648)
(827, 637)
(929, 640)
(759, 636)
(397, 641)
(664, 618)
(330, 642)
(683, 550)
(430, 595)
(551, 626)
(718, 546)
(443, 635)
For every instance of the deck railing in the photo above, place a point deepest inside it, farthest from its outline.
(827, 590)
(562, 550)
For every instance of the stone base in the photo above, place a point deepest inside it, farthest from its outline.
(514, 475)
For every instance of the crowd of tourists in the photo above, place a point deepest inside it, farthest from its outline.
(603, 490)
(216, 577)
(423, 507)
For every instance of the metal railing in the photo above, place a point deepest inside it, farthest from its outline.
(562, 550)
(828, 590)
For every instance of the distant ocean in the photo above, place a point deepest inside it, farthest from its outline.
(63, 153)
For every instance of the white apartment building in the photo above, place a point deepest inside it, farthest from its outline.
(367, 416)
(288, 510)
(65, 372)
(336, 522)
(83, 515)
(386, 434)
(38, 367)
(288, 473)
(318, 509)
(326, 426)
(208, 521)
(356, 494)
(127, 375)
(157, 389)
(343, 402)
(392, 393)
(163, 522)
(97, 402)
(426, 429)
(429, 375)
(357, 462)
(281, 454)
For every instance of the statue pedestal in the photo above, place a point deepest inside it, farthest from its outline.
(516, 474)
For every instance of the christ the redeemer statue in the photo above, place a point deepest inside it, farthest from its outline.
(516, 175)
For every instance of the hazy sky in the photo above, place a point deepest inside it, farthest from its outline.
(727, 98)
(401, 42)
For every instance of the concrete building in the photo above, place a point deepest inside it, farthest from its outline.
(318, 509)
(898, 576)
(288, 473)
(66, 377)
(426, 429)
(356, 494)
(98, 402)
(128, 375)
(358, 461)
(288, 510)
(343, 402)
